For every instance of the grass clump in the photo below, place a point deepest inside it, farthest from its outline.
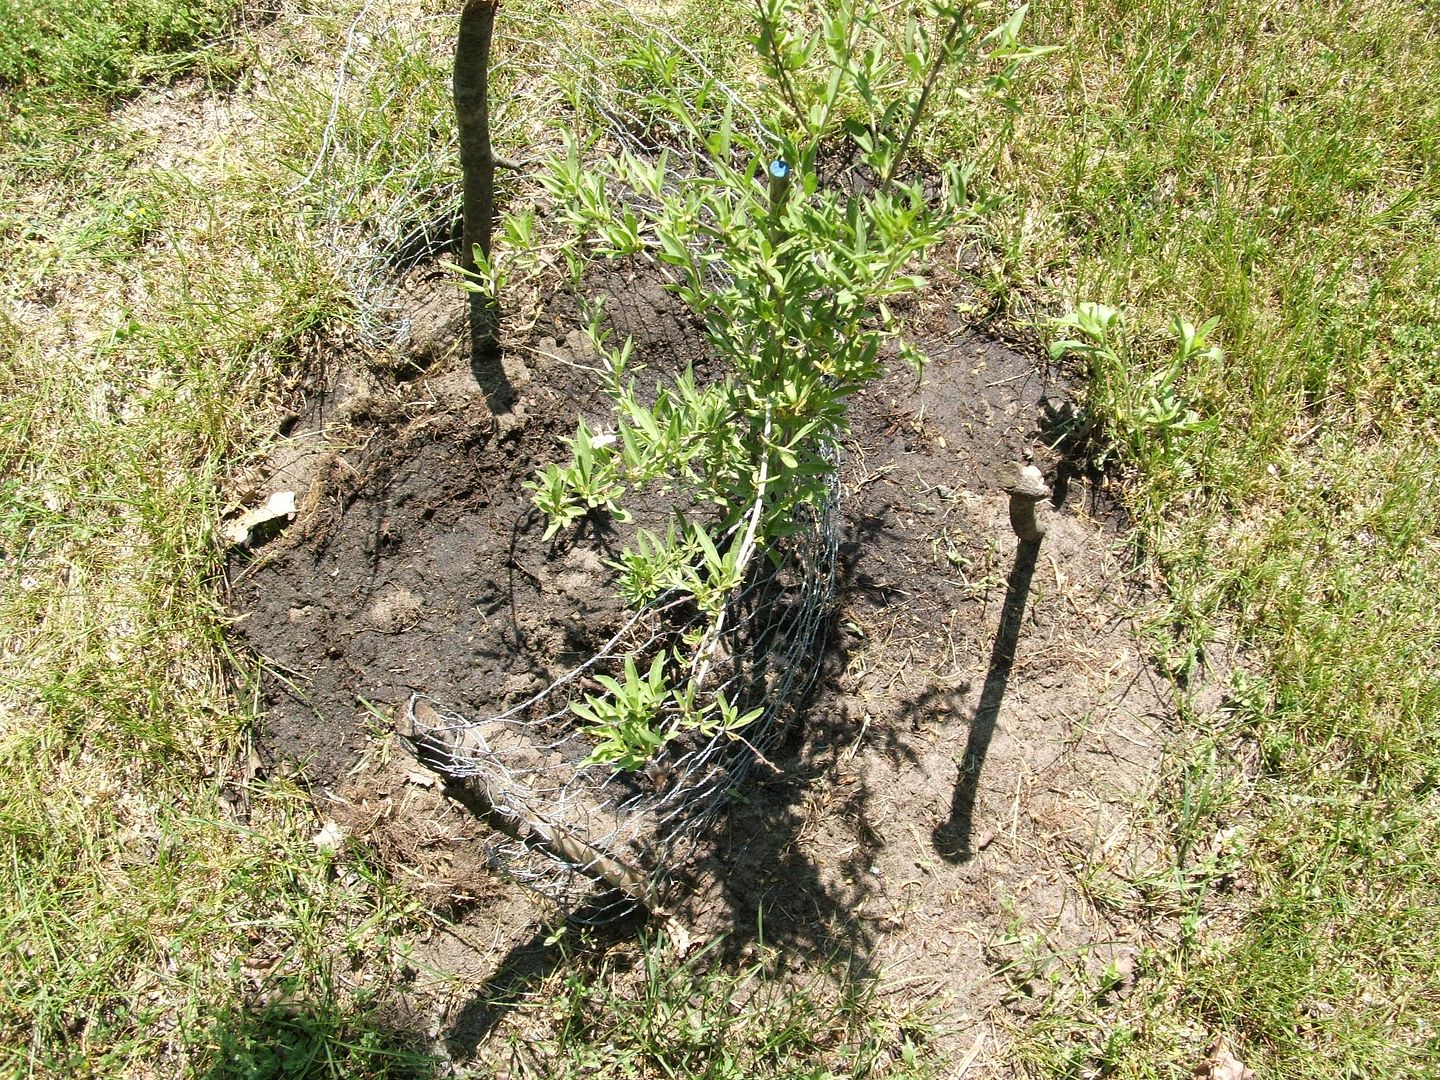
(1274, 167)
(87, 49)
(607, 1017)
(149, 317)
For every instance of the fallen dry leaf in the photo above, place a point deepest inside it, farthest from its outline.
(330, 836)
(679, 937)
(1221, 1064)
(280, 505)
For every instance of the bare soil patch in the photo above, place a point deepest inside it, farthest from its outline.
(983, 718)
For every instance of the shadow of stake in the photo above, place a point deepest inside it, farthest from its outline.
(952, 838)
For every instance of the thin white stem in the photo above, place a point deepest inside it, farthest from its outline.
(705, 654)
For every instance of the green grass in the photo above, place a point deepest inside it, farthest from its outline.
(618, 1015)
(1273, 165)
(86, 49)
(148, 323)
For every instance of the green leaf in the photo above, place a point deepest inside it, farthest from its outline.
(585, 712)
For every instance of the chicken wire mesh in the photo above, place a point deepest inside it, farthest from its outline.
(384, 182)
(588, 836)
(568, 825)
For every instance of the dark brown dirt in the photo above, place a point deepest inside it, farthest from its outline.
(417, 562)
(957, 793)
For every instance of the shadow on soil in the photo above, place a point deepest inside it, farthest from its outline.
(953, 837)
(755, 886)
(751, 887)
(420, 569)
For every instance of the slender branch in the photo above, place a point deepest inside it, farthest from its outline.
(782, 76)
(706, 651)
(472, 114)
(941, 59)
(472, 759)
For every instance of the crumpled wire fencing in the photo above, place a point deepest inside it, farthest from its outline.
(384, 182)
(569, 825)
(564, 825)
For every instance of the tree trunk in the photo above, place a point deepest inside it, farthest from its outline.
(477, 166)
